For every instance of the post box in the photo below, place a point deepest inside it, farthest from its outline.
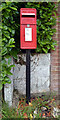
(28, 32)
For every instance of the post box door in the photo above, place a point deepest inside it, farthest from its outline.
(28, 37)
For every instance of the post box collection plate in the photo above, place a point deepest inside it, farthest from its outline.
(28, 34)
(28, 28)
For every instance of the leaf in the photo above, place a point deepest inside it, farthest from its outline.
(14, 53)
(7, 35)
(12, 66)
(9, 60)
(7, 56)
(3, 6)
(4, 82)
(3, 62)
(7, 79)
(0, 85)
(13, 32)
(11, 41)
(4, 51)
(8, 3)
(54, 13)
(1, 78)
(4, 39)
(9, 73)
(51, 33)
(13, 8)
(11, 46)
(45, 50)
(9, 29)
(8, 10)
(48, 47)
(53, 48)
(5, 27)
(3, 74)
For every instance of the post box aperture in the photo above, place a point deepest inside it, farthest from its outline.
(28, 28)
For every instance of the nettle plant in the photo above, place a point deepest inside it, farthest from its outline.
(46, 19)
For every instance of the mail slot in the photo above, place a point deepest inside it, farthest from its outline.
(28, 32)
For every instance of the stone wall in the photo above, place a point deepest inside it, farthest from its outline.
(40, 73)
(8, 88)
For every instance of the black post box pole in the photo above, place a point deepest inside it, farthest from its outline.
(27, 76)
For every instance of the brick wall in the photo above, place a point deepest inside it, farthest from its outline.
(59, 52)
(55, 58)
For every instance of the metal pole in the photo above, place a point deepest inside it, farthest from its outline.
(27, 76)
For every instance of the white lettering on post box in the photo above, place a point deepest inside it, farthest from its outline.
(28, 34)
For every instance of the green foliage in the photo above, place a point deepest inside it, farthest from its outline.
(45, 22)
(8, 43)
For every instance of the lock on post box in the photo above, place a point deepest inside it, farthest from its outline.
(28, 28)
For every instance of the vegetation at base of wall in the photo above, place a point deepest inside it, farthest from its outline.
(46, 19)
(38, 107)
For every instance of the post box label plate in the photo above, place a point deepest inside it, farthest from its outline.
(28, 34)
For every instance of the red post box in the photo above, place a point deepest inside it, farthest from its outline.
(28, 28)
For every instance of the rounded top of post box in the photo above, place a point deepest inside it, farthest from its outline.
(28, 10)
